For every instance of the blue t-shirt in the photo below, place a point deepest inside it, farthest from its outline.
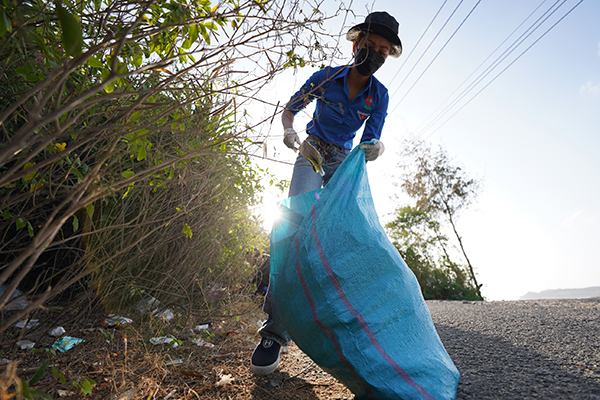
(337, 118)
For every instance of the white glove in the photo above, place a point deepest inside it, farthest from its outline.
(290, 138)
(372, 151)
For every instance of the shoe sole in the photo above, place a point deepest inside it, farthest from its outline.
(264, 369)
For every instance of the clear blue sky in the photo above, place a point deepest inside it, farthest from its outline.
(532, 136)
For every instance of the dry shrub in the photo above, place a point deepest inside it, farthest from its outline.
(125, 161)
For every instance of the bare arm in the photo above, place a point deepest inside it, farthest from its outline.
(287, 118)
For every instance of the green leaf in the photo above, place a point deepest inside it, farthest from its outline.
(71, 31)
(94, 62)
(211, 26)
(20, 223)
(40, 394)
(38, 374)
(86, 387)
(30, 175)
(187, 231)
(30, 229)
(128, 174)
(142, 154)
(128, 190)
(135, 116)
(75, 223)
(25, 391)
(109, 87)
(105, 74)
(204, 33)
(77, 173)
(59, 375)
(90, 209)
(193, 36)
(5, 25)
(137, 59)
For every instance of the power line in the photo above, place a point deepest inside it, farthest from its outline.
(424, 52)
(436, 56)
(480, 65)
(417, 44)
(498, 60)
(501, 72)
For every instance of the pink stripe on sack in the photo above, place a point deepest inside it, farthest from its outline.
(359, 317)
(327, 331)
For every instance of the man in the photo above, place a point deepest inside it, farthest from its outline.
(348, 97)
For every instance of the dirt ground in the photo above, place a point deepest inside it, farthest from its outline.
(121, 363)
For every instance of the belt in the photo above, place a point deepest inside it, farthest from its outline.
(323, 146)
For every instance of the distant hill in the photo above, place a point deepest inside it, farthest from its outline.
(563, 294)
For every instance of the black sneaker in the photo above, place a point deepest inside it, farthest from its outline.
(265, 358)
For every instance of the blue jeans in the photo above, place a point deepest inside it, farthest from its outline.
(304, 179)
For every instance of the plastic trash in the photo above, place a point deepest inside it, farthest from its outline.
(175, 362)
(116, 320)
(200, 328)
(16, 300)
(25, 344)
(150, 305)
(313, 156)
(225, 379)
(66, 343)
(164, 340)
(167, 315)
(4, 361)
(202, 343)
(31, 324)
(347, 298)
(57, 331)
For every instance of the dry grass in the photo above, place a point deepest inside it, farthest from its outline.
(125, 365)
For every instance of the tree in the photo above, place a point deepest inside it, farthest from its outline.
(419, 241)
(123, 134)
(440, 189)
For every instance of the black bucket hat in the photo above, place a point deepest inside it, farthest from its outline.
(382, 24)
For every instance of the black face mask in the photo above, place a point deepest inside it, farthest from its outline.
(367, 62)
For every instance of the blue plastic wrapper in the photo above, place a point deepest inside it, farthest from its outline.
(66, 343)
(348, 299)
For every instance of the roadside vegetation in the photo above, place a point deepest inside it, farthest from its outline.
(127, 174)
(425, 232)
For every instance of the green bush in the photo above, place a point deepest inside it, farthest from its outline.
(127, 145)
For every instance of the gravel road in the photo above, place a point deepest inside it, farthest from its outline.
(535, 349)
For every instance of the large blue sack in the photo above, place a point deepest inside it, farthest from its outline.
(347, 298)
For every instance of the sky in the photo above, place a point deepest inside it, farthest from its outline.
(532, 136)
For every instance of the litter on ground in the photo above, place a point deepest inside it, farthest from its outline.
(66, 343)
(164, 340)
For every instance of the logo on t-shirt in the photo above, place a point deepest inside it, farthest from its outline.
(368, 102)
(362, 114)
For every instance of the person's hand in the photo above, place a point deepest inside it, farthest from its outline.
(372, 151)
(290, 138)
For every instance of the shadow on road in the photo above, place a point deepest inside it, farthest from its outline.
(493, 368)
